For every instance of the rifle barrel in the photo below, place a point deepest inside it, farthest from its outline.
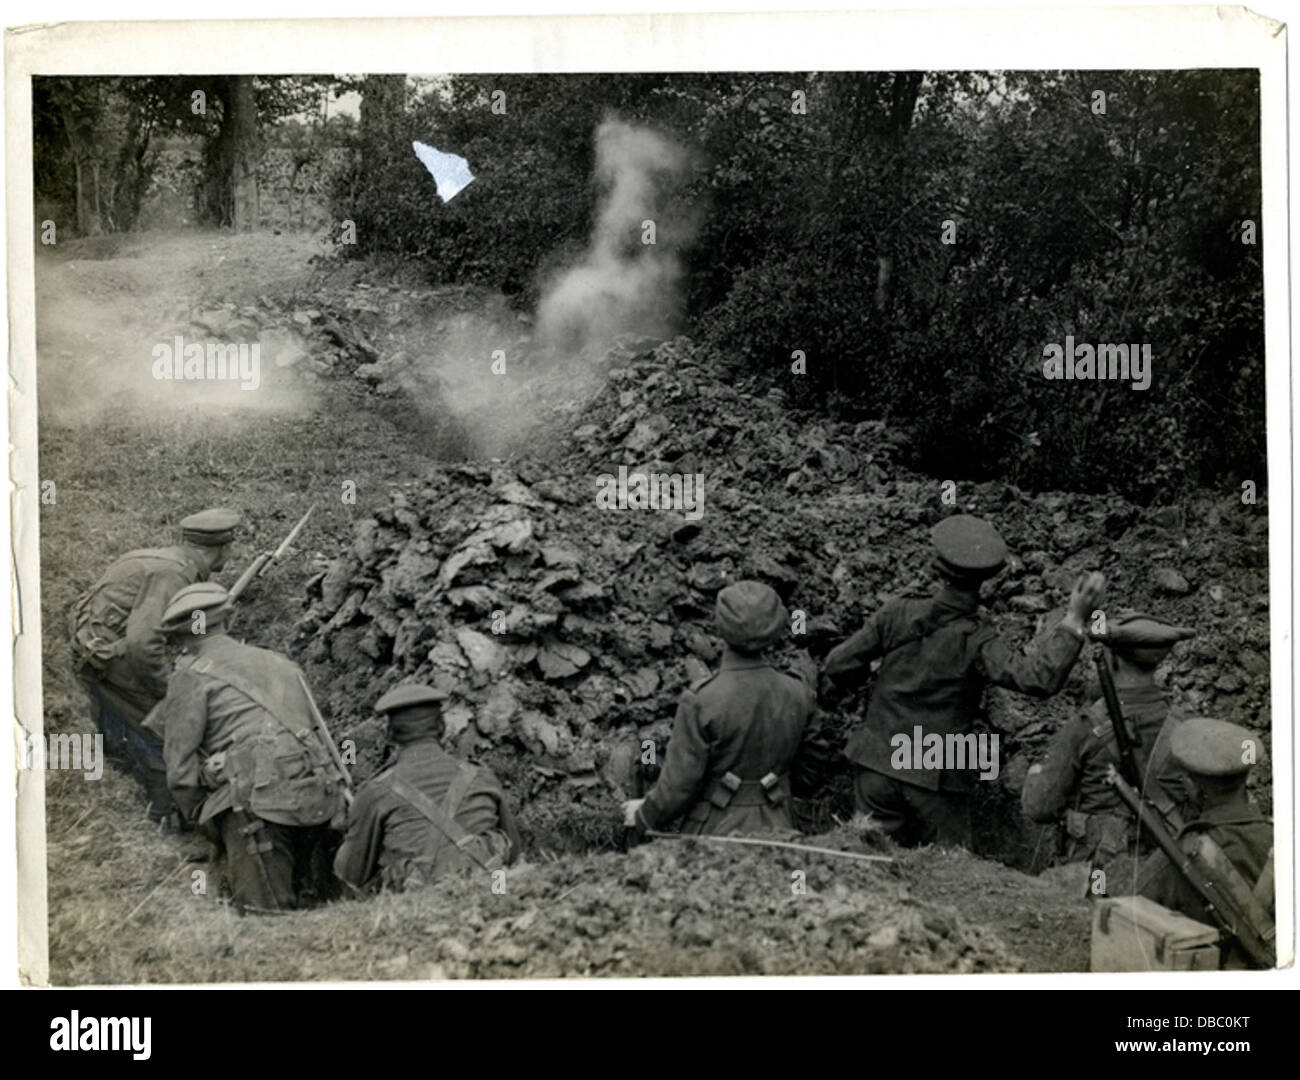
(1123, 741)
(254, 569)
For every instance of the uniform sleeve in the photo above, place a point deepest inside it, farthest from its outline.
(686, 763)
(851, 657)
(1159, 880)
(146, 645)
(1046, 793)
(1040, 671)
(358, 856)
(501, 840)
(183, 718)
(510, 829)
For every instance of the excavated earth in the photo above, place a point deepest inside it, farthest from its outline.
(564, 632)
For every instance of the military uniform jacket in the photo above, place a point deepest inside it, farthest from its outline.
(1081, 753)
(248, 704)
(937, 657)
(747, 720)
(390, 842)
(1245, 836)
(117, 625)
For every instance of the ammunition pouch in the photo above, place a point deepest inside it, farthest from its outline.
(771, 790)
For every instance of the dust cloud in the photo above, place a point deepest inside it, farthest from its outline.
(624, 284)
(501, 373)
(105, 326)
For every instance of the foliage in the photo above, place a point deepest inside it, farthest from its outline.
(827, 231)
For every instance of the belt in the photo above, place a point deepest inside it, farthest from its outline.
(771, 790)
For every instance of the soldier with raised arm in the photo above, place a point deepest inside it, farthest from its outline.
(937, 655)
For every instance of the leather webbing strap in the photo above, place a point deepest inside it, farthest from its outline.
(440, 819)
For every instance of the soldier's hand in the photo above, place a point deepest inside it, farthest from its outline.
(1086, 597)
(629, 812)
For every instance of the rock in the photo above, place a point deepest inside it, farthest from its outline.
(711, 577)
(495, 715)
(1168, 517)
(478, 599)
(539, 734)
(643, 682)
(364, 535)
(560, 555)
(457, 719)
(559, 660)
(1229, 683)
(1168, 580)
(484, 654)
(553, 491)
(585, 592)
(686, 531)
(1033, 603)
(413, 573)
(701, 645)
(446, 657)
(335, 586)
(459, 561)
(512, 491)
(647, 433)
(510, 535)
(1253, 663)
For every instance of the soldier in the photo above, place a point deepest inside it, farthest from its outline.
(937, 656)
(120, 649)
(244, 758)
(1217, 757)
(736, 733)
(1072, 779)
(429, 813)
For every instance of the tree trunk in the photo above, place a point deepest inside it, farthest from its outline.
(245, 152)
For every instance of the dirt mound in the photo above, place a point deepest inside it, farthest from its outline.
(565, 631)
(672, 907)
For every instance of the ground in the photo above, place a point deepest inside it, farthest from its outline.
(129, 454)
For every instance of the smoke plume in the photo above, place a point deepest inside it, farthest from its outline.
(627, 282)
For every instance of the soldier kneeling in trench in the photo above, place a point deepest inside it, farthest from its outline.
(427, 815)
(243, 758)
(736, 733)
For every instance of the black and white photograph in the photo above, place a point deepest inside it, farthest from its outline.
(625, 520)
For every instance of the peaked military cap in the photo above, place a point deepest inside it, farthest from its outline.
(1136, 630)
(750, 616)
(206, 596)
(210, 528)
(409, 696)
(967, 546)
(1214, 747)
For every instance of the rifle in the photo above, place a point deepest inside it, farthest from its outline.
(1125, 742)
(323, 732)
(1232, 903)
(262, 563)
